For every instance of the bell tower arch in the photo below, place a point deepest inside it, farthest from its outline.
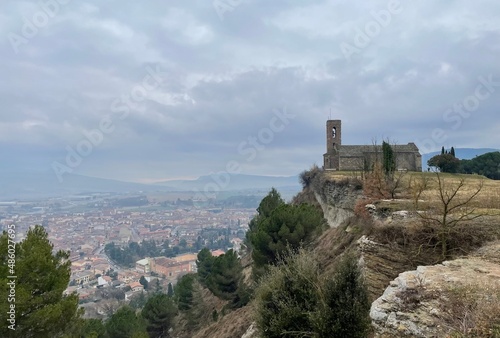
(333, 142)
(333, 135)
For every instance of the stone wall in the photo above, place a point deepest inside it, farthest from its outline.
(352, 163)
(411, 161)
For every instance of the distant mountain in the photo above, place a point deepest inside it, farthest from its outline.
(36, 184)
(32, 185)
(461, 153)
(235, 182)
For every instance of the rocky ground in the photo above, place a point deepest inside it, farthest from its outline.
(433, 301)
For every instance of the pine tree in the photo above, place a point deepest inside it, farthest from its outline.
(124, 323)
(184, 292)
(226, 275)
(42, 276)
(204, 264)
(93, 328)
(287, 226)
(452, 152)
(159, 312)
(442, 150)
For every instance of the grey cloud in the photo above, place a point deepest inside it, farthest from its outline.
(223, 79)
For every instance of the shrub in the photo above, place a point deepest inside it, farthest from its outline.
(344, 303)
(308, 176)
(473, 310)
(287, 296)
(294, 301)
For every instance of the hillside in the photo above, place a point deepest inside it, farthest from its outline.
(461, 153)
(36, 184)
(390, 239)
(233, 182)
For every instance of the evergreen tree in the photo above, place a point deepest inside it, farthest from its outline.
(389, 163)
(159, 312)
(124, 323)
(442, 150)
(42, 276)
(287, 226)
(287, 297)
(158, 288)
(170, 291)
(452, 152)
(184, 292)
(346, 308)
(138, 301)
(93, 328)
(226, 275)
(204, 264)
(144, 282)
(445, 163)
(293, 298)
(487, 164)
(269, 203)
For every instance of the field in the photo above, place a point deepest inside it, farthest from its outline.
(487, 201)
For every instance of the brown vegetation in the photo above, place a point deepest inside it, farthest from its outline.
(472, 311)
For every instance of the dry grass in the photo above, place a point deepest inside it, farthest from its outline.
(488, 200)
(472, 310)
(234, 324)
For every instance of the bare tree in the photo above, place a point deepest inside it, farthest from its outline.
(417, 186)
(454, 206)
(395, 182)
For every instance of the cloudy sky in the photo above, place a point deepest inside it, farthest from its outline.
(154, 90)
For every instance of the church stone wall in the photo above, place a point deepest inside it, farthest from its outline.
(352, 163)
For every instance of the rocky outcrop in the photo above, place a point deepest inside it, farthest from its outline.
(251, 332)
(381, 263)
(417, 303)
(338, 199)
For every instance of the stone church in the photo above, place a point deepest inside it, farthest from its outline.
(362, 157)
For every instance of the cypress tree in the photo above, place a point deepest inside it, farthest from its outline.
(388, 158)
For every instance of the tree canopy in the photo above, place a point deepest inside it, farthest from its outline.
(446, 163)
(293, 298)
(159, 312)
(487, 164)
(124, 323)
(279, 226)
(42, 276)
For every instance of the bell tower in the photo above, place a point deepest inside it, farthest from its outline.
(333, 142)
(333, 135)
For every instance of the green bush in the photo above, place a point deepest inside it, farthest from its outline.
(294, 300)
(345, 305)
(278, 227)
